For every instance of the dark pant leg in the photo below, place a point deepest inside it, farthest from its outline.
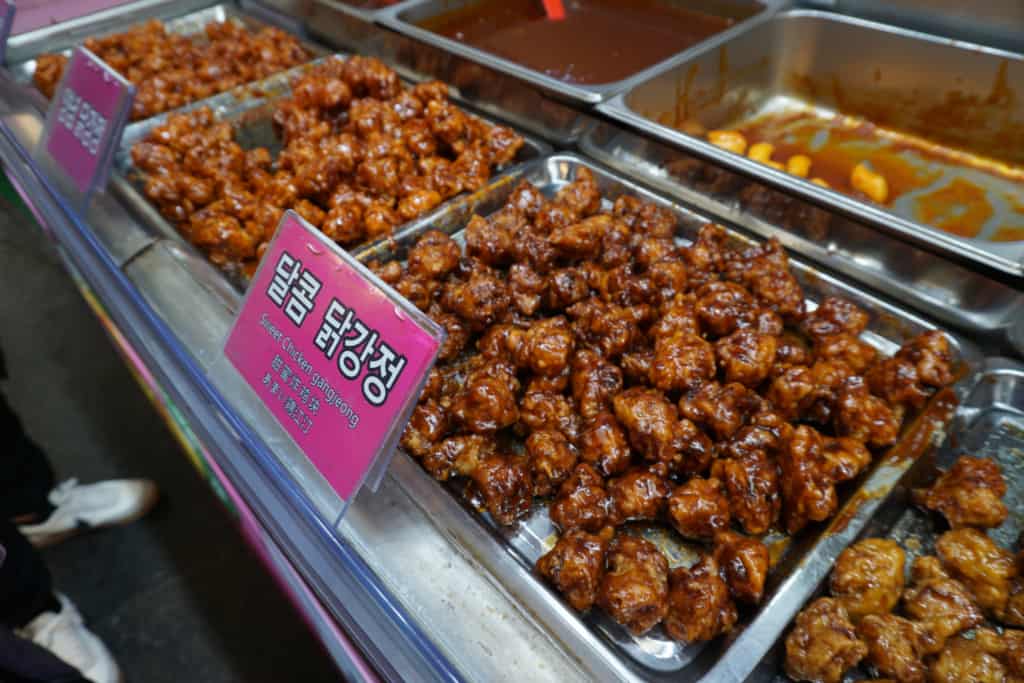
(22, 661)
(25, 475)
(26, 589)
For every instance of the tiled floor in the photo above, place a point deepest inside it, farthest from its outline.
(177, 596)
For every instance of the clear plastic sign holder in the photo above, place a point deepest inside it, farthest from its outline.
(84, 124)
(7, 10)
(326, 362)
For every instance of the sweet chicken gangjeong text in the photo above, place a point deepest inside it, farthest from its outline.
(171, 70)
(361, 154)
(934, 626)
(650, 382)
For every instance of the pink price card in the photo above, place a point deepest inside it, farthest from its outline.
(335, 354)
(86, 118)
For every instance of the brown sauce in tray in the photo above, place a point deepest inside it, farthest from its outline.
(598, 41)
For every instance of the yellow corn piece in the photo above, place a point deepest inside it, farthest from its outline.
(821, 182)
(728, 139)
(870, 183)
(799, 165)
(762, 151)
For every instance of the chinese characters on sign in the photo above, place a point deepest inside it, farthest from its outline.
(86, 118)
(330, 353)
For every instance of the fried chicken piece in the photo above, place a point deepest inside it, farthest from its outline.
(650, 420)
(547, 346)
(931, 356)
(823, 644)
(457, 456)
(746, 356)
(864, 417)
(939, 601)
(724, 307)
(986, 569)
(896, 381)
(504, 484)
(427, 425)
(1013, 612)
(896, 646)
(637, 494)
(575, 566)
(699, 509)
(721, 409)
(966, 659)
(552, 459)
(582, 501)
(834, 316)
(968, 494)
(699, 606)
(844, 458)
(547, 410)
(634, 590)
(434, 255)
(681, 361)
(868, 577)
(594, 382)
(752, 485)
(582, 240)
(792, 391)
(744, 563)
(808, 492)
(603, 444)
(487, 403)
(857, 354)
(677, 317)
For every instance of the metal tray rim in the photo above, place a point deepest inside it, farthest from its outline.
(368, 15)
(1006, 259)
(586, 95)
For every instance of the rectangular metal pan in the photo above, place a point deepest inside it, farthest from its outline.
(343, 25)
(191, 23)
(251, 117)
(988, 424)
(605, 649)
(942, 109)
(946, 290)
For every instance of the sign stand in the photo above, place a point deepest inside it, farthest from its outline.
(337, 357)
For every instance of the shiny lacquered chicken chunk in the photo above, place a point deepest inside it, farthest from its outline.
(969, 494)
(983, 567)
(823, 644)
(575, 566)
(868, 577)
(897, 646)
(700, 607)
(939, 601)
(744, 563)
(634, 591)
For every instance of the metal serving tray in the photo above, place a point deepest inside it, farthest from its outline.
(946, 290)
(951, 97)
(343, 24)
(989, 424)
(603, 647)
(251, 114)
(190, 23)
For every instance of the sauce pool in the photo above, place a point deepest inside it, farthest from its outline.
(598, 41)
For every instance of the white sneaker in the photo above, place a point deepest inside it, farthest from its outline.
(87, 506)
(65, 635)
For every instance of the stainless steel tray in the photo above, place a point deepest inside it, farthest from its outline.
(251, 115)
(186, 23)
(988, 424)
(344, 25)
(604, 648)
(946, 290)
(951, 95)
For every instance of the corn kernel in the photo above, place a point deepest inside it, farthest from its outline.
(799, 165)
(820, 182)
(762, 152)
(870, 183)
(728, 139)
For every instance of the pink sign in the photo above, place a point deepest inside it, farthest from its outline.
(337, 357)
(86, 119)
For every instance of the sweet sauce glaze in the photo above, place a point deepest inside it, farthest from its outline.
(599, 41)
